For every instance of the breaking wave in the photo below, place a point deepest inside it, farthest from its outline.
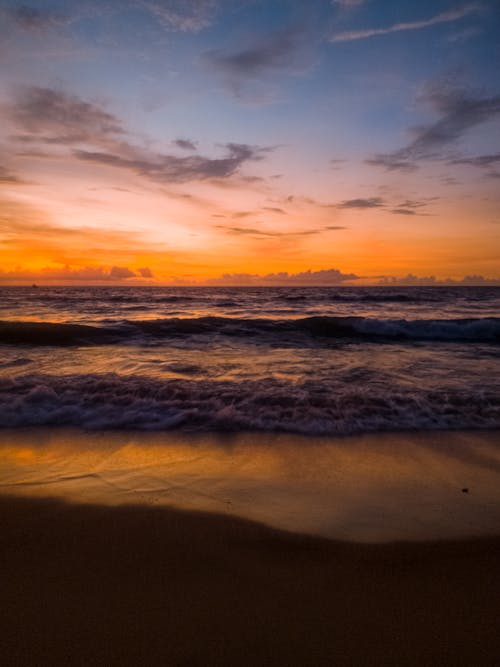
(302, 331)
(111, 401)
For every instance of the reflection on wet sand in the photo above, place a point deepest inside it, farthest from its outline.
(366, 488)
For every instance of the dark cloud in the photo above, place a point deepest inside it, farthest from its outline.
(85, 274)
(120, 273)
(391, 162)
(8, 178)
(411, 279)
(145, 272)
(412, 207)
(478, 160)
(323, 277)
(242, 214)
(251, 231)
(406, 207)
(246, 230)
(335, 165)
(416, 203)
(404, 211)
(185, 144)
(370, 202)
(172, 169)
(269, 53)
(52, 116)
(459, 109)
(245, 69)
(33, 18)
(274, 209)
(449, 181)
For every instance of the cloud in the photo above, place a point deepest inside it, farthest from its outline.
(412, 207)
(269, 53)
(145, 272)
(33, 18)
(411, 279)
(244, 70)
(182, 15)
(120, 273)
(478, 160)
(252, 231)
(444, 17)
(370, 202)
(172, 169)
(391, 162)
(404, 211)
(274, 209)
(459, 109)
(85, 274)
(185, 144)
(8, 178)
(52, 116)
(407, 207)
(242, 214)
(323, 277)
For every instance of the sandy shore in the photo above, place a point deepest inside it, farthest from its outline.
(134, 585)
(366, 488)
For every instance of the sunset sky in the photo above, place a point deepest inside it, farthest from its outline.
(220, 141)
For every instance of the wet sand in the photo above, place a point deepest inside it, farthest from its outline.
(134, 585)
(370, 488)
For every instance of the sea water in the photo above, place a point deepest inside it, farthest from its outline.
(316, 360)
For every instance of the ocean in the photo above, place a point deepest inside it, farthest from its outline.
(305, 360)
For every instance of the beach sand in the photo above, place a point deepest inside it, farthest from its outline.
(94, 585)
(107, 558)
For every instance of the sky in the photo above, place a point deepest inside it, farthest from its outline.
(250, 142)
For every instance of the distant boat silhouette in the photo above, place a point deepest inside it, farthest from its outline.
(34, 285)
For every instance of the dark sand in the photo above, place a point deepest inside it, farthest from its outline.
(135, 585)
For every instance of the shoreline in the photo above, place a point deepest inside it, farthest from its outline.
(381, 487)
(129, 585)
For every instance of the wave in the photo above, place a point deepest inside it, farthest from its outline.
(111, 401)
(301, 331)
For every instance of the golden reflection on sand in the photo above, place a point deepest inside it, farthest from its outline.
(366, 488)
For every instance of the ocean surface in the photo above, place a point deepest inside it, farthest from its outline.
(316, 361)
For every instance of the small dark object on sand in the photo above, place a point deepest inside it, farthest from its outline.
(465, 490)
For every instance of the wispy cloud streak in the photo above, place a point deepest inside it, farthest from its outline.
(444, 17)
(460, 110)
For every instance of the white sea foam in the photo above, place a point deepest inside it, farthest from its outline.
(113, 401)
